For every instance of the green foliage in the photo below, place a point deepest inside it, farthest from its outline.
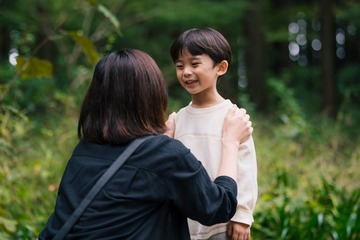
(288, 108)
(295, 202)
(87, 46)
(111, 18)
(308, 183)
(33, 67)
(32, 160)
(321, 212)
(51, 39)
(13, 125)
(32, 95)
(349, 87)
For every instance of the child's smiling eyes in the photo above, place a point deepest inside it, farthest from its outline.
(181, 66)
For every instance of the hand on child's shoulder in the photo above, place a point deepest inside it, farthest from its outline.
(237, 123)
(170, 124)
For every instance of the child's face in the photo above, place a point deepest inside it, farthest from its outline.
(196, 74)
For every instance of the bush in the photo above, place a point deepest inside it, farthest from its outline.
(308, 178)
(321, 212)
(30, 169)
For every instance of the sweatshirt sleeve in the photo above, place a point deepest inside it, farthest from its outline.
(246, 183)
(199, 198)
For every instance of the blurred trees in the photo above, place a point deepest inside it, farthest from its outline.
(316, 36)
(71, 35)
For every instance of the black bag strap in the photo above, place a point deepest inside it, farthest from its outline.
(98, 186)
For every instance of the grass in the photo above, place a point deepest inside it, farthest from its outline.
(307, 172)
(308, 181)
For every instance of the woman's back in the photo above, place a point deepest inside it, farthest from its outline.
(150, 197)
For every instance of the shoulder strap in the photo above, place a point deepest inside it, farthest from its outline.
(98, 186)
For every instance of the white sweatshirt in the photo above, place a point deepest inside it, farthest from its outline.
(200, 129)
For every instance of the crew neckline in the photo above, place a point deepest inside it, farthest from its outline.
(215, 107)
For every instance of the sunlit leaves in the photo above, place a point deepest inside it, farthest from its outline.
(8, 224)
(92, 2)
(110, 16)
(107, 13)
(13, 125)
(34, 67)
(87, 46)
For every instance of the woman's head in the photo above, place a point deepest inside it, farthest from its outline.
(127, 98)
(202, 41)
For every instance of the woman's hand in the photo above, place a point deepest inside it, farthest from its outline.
(170, 124)
(237, 126)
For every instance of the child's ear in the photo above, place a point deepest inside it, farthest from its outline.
(222, 67)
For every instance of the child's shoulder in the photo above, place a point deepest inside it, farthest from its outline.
(183, 109)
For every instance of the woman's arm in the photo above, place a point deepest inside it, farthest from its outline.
(236, 129)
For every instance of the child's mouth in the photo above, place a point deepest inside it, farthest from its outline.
(189, 82)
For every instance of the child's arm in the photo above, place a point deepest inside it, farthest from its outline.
(247, 190)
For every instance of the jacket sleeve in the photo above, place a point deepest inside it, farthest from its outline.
(199, 198)
(246, 183)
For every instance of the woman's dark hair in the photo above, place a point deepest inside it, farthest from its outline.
(202, 41)
(127, 98)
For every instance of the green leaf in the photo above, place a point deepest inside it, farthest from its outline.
(9, 225)
(92, 2)
(3, 89)
(34, 67)
(110, 16)
(87, 46)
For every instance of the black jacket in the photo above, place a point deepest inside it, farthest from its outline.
(150, 197)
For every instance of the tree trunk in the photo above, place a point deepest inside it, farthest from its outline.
(254, 55)
(4, 43)
(47, 51)
(328, 59)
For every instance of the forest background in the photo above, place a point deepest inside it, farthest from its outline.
(296, 70)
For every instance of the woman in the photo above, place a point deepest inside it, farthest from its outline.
(162, 183)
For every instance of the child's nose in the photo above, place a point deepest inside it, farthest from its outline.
(187, 71)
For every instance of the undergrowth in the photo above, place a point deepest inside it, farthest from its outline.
(307, 173)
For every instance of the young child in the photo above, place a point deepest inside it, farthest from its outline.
(201, 57)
